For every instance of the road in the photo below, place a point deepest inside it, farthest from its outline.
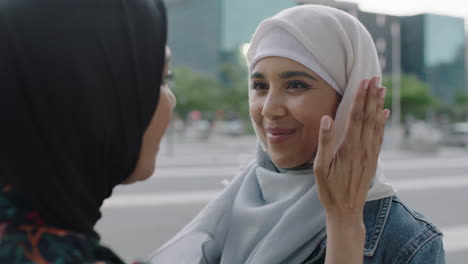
(141, 217)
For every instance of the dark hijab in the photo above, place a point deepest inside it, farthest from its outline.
(79, 84)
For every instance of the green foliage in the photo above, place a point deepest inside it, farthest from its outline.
(461, 98)
(458, 112)
(416, 99)
(236, 97)
(195, 91)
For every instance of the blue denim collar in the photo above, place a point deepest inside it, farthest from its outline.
(375, 218)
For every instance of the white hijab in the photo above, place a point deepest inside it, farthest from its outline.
(272, 215)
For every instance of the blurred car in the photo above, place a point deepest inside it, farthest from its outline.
(459, 134)
(232, 127)
(423, 137)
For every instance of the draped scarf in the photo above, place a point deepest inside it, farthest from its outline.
(79, 85)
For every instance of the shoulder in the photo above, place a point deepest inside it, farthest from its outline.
(43, 244)
(25, 238)
(395, 230)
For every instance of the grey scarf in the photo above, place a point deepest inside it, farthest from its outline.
(263, 216)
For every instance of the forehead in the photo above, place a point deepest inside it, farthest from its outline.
(275, 65)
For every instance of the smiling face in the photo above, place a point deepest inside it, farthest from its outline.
(287, 101)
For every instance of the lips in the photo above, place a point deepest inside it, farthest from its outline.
(279, 135)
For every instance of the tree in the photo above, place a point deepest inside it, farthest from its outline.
(460, 108)
(416, 99)
(236, 90)
(195, 91)
(456, 112)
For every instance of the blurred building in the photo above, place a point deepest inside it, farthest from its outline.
(194, 33)
(205, 34)
(380, 28)
(466, 63)
(434, 48)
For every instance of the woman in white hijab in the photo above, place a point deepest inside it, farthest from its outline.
(317, 107)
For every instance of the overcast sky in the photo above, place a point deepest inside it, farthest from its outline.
(458, 8)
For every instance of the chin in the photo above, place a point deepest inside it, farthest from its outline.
(140, 175)
(285, 161)
(290, 160)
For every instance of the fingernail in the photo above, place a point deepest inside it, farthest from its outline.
(366, 84)
(326, 123)
(377, 82)
(383, 93)
(387, 113)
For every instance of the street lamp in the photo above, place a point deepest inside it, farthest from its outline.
(396, 83)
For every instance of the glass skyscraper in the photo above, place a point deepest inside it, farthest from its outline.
(433, 48)
(204, 34)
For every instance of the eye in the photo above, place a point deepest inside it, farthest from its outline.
(168, 79)
(259, 86)
(297, 85)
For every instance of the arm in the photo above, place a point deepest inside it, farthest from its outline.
(343, 177)
(345, 239)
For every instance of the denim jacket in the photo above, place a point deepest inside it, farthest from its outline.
(395, 234)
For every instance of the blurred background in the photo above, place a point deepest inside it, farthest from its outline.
(422, 50)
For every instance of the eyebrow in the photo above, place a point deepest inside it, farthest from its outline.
(289, 74)
(257, 75)
(284, 75)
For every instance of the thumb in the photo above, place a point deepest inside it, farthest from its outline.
(324, 154)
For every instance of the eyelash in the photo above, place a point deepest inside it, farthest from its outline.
(167, 79)
(303, 84)
(289, 85)
(254, 86)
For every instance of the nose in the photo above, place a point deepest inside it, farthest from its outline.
(173, 99)
(169, 94)
(274, 105)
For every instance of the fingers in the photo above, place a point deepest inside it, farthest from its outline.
(354, 144)
(371, 166)
(370, 113)
(380, 129)
(366, 115)
(325, 149)
(349, 172)
(375, 144)
(382, 116)
(381, 99)
(373, 102)
(354, 121)
(323, 160)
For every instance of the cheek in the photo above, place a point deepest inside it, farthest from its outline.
(172, 100)
(310, 129)
(311, 134)
(255, 109)
(309, 113)
(152, 138)
(164, 112)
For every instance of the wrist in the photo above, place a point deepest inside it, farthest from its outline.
(346, 223)
(345, 238)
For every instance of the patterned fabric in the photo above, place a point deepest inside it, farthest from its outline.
(25, 238)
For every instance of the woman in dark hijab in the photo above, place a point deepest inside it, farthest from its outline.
(80, 82)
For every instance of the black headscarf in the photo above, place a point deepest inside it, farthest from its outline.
(79, 84)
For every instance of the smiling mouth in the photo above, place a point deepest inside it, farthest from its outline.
(277, 136)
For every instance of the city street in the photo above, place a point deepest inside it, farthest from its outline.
(141, 217)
